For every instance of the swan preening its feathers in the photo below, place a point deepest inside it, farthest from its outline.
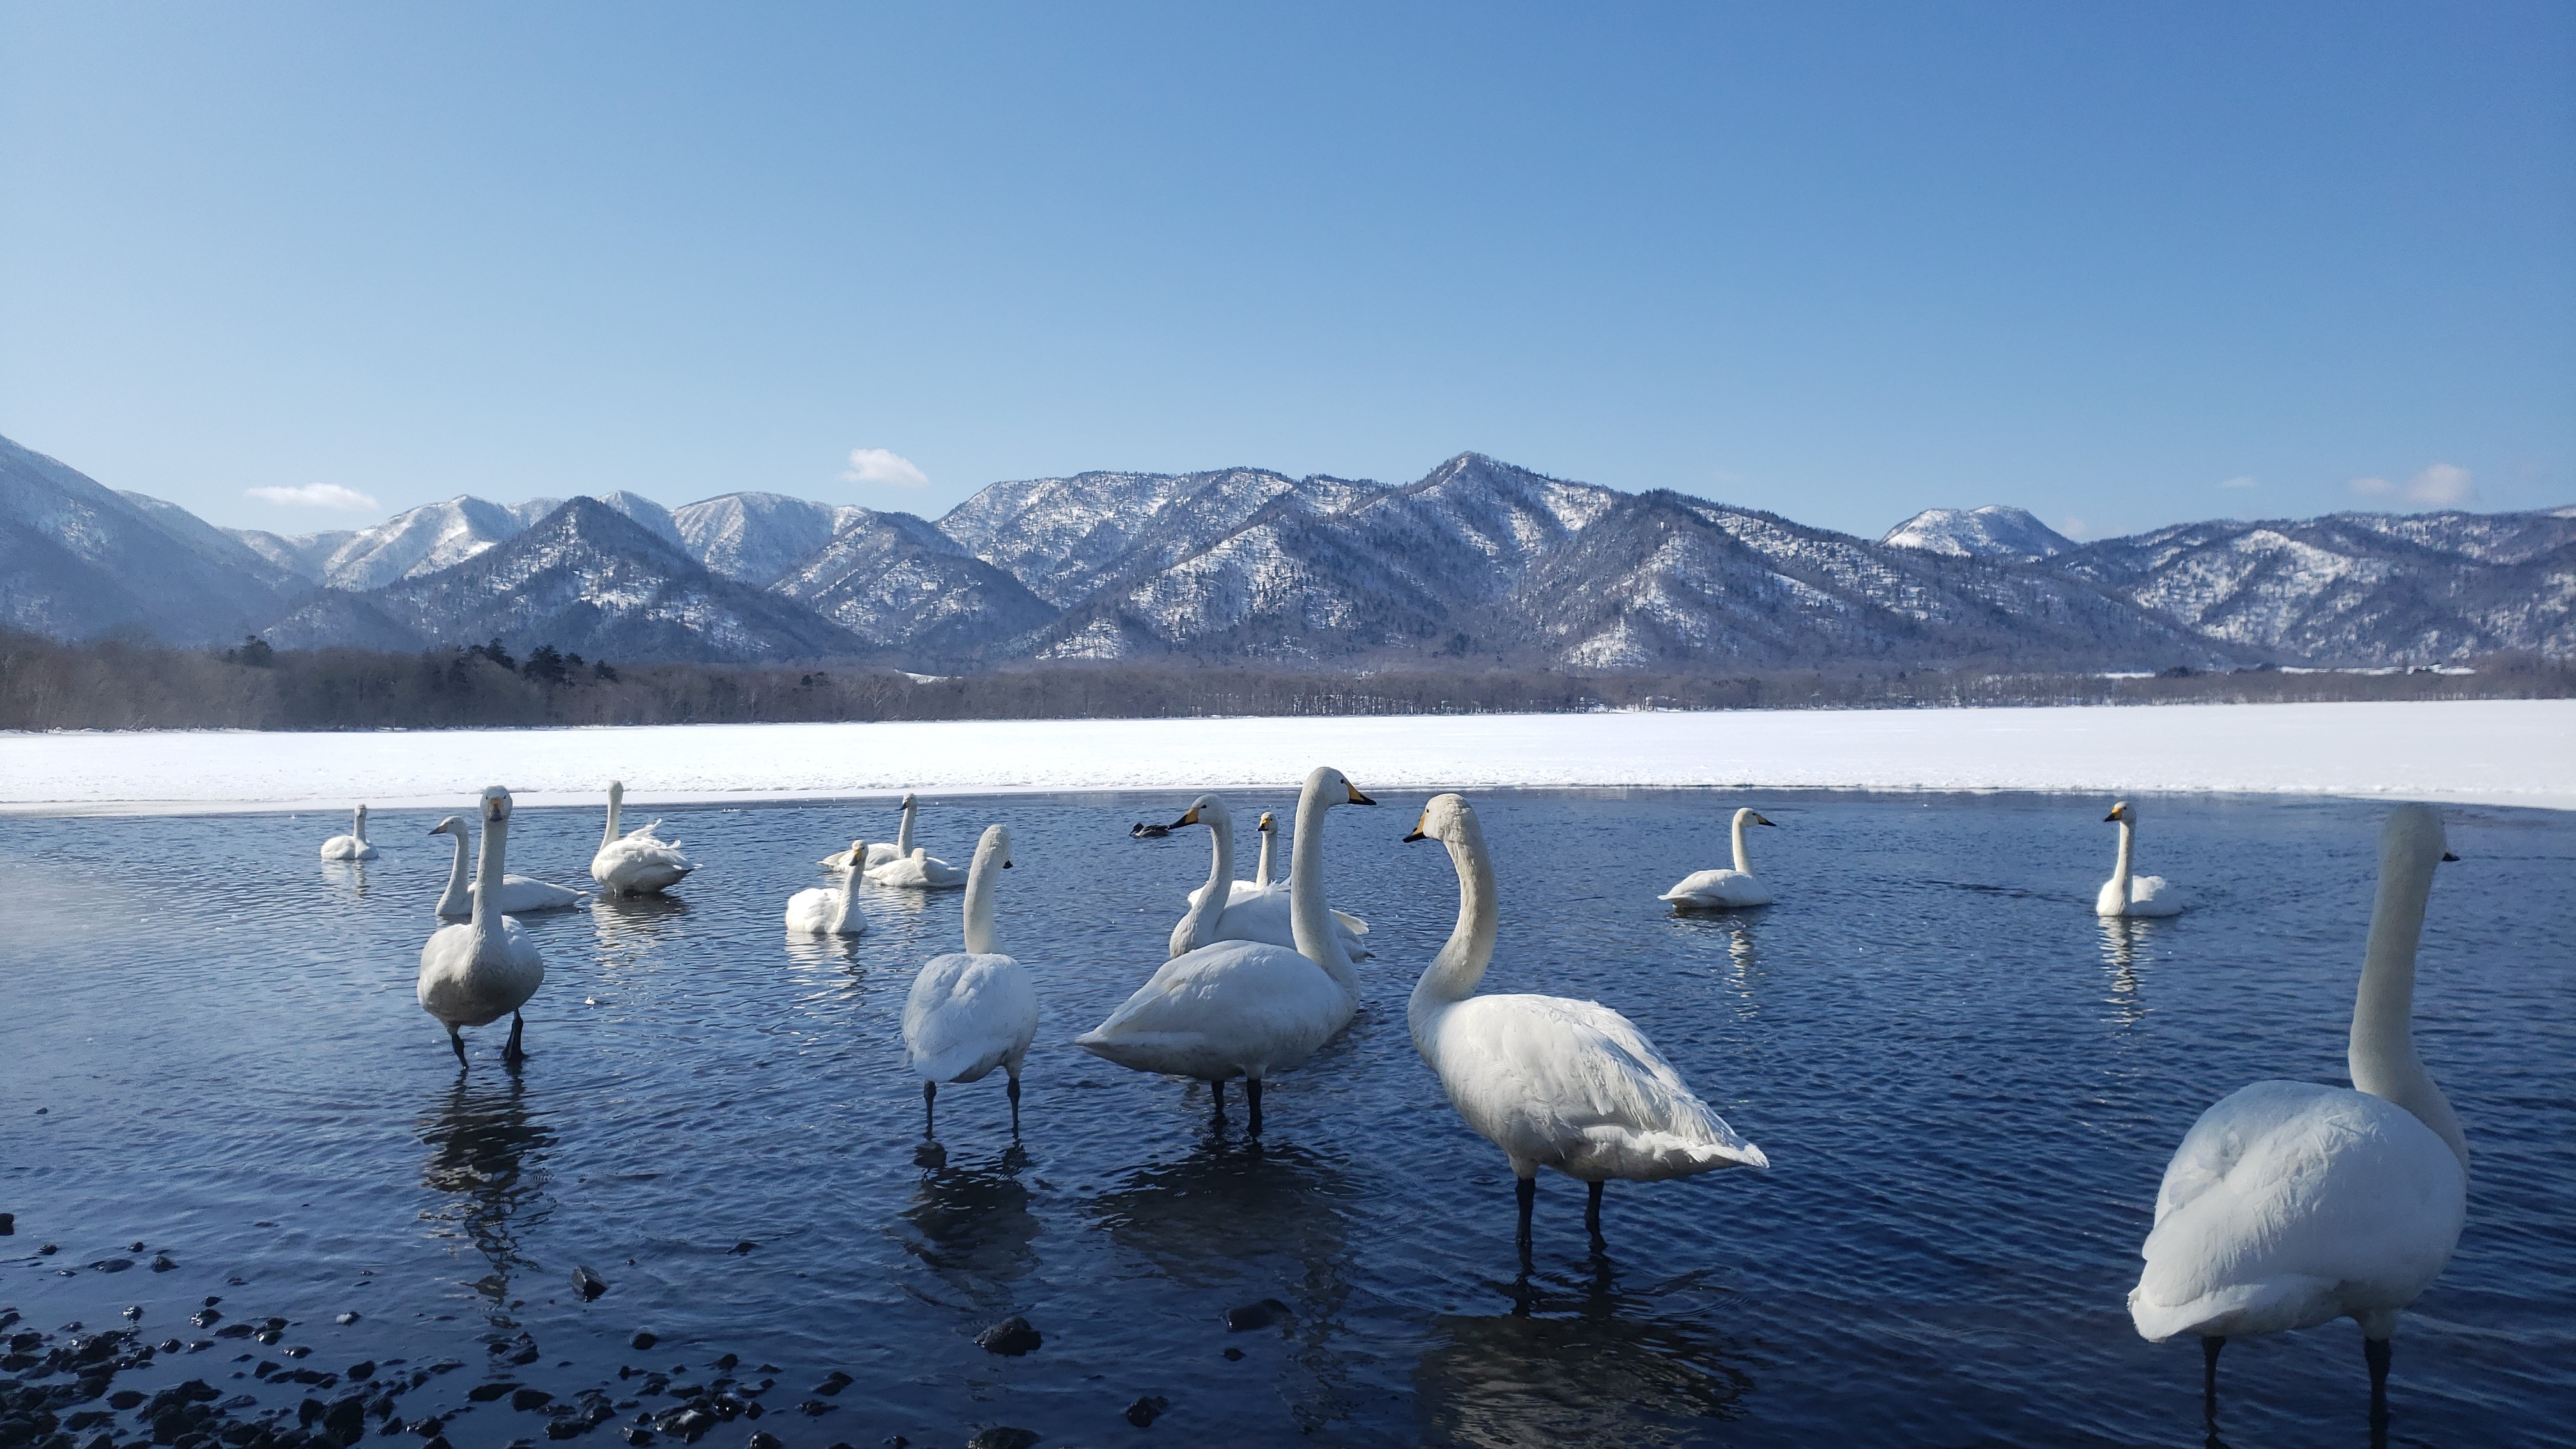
(1249, 910)
(1248, 1009)
(820, 912)
(2133, 895)
(972, 1010)
(1553, 1082)
(1724, 890)
(2291, 1204)
(519, 894)
(636, 863)
(487, 968)
(352, 846)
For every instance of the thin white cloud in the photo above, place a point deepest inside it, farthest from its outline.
(2241, 480)
(2443, 485)
(315, 495)
(884, 465)
(2072, 527)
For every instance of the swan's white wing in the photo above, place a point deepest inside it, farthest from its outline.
(1237, 1007)
(917, 871)
(2152, 895)
(810, 911)
(968, 1014)
(1718, 888)
(1576, 1086)
(520, 894)
(1265, 913)
(2290, 1204)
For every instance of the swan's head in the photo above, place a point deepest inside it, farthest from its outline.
(1329, 786)
(1268, 821)
(1447, 818)
(1750, 816)
(452, 825)
(2122, 813)
(858, 855)
(496, 805)
(616, 791)
(1209, 811)
(907, 801)
(2412, 837)
(995, 847)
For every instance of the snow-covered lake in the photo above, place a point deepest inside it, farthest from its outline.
(2496, 752)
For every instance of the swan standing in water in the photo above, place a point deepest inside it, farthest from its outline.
(519, 894)
(636, 863)
(973, 1010)
(352, 846)
(2127, 895)
(1724, 890)
(819, 912)
(881, 853)
(2291, 1204)
(1247, 911)
(487, 968)
(1553, 1082)
(1248, 1009)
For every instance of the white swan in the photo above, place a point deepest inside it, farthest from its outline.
(352, 846)
(972, 1010)
(919, 871)
(880, 853)
(2127, 895)
(1269, 830)
(519, 894)
(2291, 1204)
(1724, 890)
(636, 863)
(1247, 911)
(486, 968)
(1553, 1082)
(1247, 1008)
(819, 912)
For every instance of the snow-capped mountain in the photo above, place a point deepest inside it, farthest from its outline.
(1993, 531)
(755, 537)
(900, 584)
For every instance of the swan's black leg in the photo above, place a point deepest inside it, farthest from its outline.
(515, 1052)
(1252, 1116)
(1592, 1215)
(457, 1042)
(1216, 1091)
(1526, 1189)
(929, 1097)
(1013, 1091)
(2209, 1347)
(2375, 1352)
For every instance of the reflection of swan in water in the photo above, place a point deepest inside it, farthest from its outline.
(1594, 1366)
(971, 1224)
(631, 927)
(352, 873)
(486, 1151)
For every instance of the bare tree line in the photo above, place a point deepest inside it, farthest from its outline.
(47, 684)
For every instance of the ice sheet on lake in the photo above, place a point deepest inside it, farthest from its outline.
(2504, 752)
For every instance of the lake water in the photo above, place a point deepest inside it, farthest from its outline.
(1967, 1087)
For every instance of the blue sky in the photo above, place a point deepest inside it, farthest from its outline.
(2126, 265)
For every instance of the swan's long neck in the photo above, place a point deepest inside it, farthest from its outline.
(453, 898)
(358, 824)
(2120, 871)
(487, 872)
(1261, 876)
(980, 937)
(1308, 918)
(849, 889)
(609, 836)
(1211, 904)
(903, 832)
(1452, 975)
(2382, 1055)
(1743, 859)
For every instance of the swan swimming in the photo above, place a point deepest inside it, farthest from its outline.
(2127, 895)
(519, 894)
(919, 871)
(879, 853)
(1553, 1082)
(819, 912)
(2291, 1204)
(352, 846)
(636, 863)
(972, 1010)
(1724, 890)
(486, 968)
(1249, 911)
(1248, 1009)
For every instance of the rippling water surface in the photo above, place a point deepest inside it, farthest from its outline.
(1967, 1087)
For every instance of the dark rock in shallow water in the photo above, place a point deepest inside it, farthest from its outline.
(486, 1393)
(643, 1339)
(135, 1247)
(362, 1370)
(1012, 1336)
(588, 1284)
(1255, 1315)
(1234, 1355)
(816, 1408)
(1147, 1409)
(8, 1225)
(161, 1262)
(124, 1399)
(48, 1250)
(745, 1246)
(113, 1265)
(729, 1362)
(833, 1383)
(526, 1399)
(636, 1434)
(1003, 1437)
(761, 1439)
(345, 1319)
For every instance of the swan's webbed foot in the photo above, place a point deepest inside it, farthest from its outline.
(458, 1043)
(1525, 1189)
(1252, 1114)
(2374, 1351)
(1013, 1092)
(1592, 1215)
(515, 1053)
(2209, 1347)
(929, 1099)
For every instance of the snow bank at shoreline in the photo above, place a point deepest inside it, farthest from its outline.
(2497, 752)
